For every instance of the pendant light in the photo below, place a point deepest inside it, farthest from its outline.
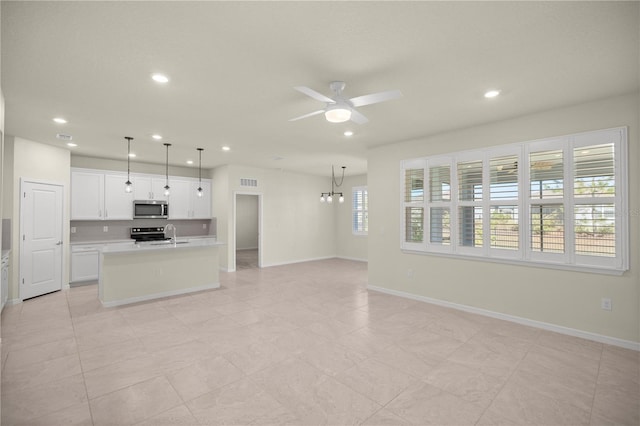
(166, 187)
(200, 172)
(128, 184)
(328, 196)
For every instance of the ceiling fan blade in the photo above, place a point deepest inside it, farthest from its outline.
(358, 117)
(374, 98)
(315, 95)
(307, 115)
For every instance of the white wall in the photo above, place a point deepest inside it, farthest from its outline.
(349, 246)
(246, 222)
(563, 298)
(39, 161)
(295, 227)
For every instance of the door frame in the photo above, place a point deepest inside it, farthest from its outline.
(234, 224)
(64, 237)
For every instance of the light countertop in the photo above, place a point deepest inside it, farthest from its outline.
(181, 243)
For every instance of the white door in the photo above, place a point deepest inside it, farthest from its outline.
(41, 216)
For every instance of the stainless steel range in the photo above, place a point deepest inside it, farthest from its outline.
(150, 234)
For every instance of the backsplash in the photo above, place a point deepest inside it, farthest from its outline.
(89, 230)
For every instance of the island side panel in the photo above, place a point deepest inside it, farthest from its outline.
(133, 276)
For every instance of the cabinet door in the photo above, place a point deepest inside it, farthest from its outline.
(179, 201)
(157, 189)
(201, 206)
(142, 188)
(87, 195)
(85, 265)
(118, 204)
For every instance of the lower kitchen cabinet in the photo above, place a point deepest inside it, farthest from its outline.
(85, 263)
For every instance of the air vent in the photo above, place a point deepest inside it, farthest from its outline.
(248, 182)
(64, 137)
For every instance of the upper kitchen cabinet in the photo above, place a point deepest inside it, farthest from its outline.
(96, 195)
(87, 195)
(118, 204)
(149, 188)
(179, 200)
(201, 206)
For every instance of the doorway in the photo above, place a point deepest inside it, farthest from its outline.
(41, 217)
(247, 239)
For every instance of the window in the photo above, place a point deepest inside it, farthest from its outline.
(360, 210)
(559, 202)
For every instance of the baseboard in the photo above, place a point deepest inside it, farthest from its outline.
(246, 248)
(267, 265)
(159, 295)
(614, 341)
(355, 259)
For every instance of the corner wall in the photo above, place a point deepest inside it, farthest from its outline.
(560, 298)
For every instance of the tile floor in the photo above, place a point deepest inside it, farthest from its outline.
(303, 344)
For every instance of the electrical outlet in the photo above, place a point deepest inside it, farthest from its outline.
(605, 303)
(73, 229)
(105, 229)
(410, 273)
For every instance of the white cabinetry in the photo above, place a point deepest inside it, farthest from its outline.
(85, 262)
(179, 200)
(118, 204)
(149, 188)
(97, 195)
(87, 195)
(201, 206)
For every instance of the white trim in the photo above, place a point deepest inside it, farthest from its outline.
(312, 259)
(355, 259)
(614, 341)
(159, 295)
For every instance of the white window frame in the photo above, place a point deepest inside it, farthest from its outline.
(617, 264)
(354, 210)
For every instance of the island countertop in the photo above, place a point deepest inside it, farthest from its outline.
(184, 242)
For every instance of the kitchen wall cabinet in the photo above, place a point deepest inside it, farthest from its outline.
(87, 195)
(118, 204)
(100, 195)
(149, 188)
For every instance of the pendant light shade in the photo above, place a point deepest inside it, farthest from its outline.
(128, 186)
(200, 172)
(166, 187)
(328, 196)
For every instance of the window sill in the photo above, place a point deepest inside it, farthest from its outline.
(529, 263)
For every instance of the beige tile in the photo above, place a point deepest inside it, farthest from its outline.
(203, 376)
(40, 353)
(427, 343)
(256, 356)
(298, 340)
(569, 344)
(16, 342)
(135, 403)
(417, 365)
(112, 377)
(376, 381)
(44, 372)
(559, 363)
(26, 403)
(250, 316)
(77, 415)
(465, 382)
(385, 418)
(239, 403)
(479, 356)
(613, 405)
(332, 359)
(524, 405)
(178, 416)
(180, 356)
(112, 354)
(424, 404)
(455, 326)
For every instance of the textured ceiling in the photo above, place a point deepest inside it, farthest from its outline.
(233, 66)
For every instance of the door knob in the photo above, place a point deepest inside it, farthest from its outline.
(59, 243)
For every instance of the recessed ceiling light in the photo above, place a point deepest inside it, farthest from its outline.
(71, 144)
(157, 137)
(60, 120)
(348, 133)
(189, 161)
(226, 148)
(491, 93)
(132, 155)
(160, 78)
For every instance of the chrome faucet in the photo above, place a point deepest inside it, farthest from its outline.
(172, 227)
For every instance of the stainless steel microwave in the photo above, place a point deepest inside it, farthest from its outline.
(150, 209)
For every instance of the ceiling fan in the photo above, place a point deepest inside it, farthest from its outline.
(339, 109)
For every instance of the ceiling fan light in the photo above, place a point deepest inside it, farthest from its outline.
(337, 114)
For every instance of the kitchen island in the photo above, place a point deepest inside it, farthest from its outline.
(131, 272)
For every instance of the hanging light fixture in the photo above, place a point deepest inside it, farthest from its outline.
(328, 196)
(128, 185)
(200, 172)
(166, 187)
